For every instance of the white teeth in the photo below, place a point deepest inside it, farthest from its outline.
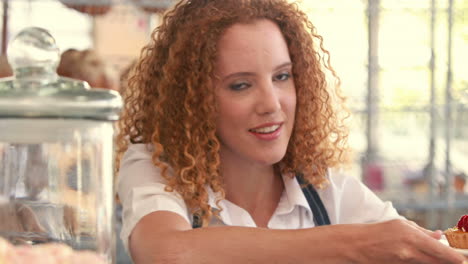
(265, 130)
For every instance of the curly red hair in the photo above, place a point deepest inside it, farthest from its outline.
(170, 102)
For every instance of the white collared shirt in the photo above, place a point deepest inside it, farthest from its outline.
(346, 199)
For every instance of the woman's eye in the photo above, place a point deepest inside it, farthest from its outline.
(239, 86)
(282, 76)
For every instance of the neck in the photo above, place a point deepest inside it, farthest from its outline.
(256, 188)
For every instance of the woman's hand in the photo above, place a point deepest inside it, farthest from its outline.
(402, 241)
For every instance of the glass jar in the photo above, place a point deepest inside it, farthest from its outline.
(56, 152)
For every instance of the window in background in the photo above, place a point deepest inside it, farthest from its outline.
(405, 126)
(344, 30)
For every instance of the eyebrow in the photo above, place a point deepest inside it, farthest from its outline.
(286, 64)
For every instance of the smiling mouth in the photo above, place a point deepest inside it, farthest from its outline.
(265, 130)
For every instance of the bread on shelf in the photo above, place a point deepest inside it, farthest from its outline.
(154, 6)
(94, 7)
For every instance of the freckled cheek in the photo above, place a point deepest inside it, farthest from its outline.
(290, 104)
(292, 101)
(228, 109)
(231, 115)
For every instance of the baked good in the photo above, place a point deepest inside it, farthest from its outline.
(153, 6)
(53, 253)
(457, 236)
(100, 8)
(68, 61)
(86, 65)
(19, 217)
(91, 68)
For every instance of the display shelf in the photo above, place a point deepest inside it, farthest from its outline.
(461, 203)
(145, 3)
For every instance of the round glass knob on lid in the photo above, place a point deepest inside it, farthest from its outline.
(36, 91)
(33, 48)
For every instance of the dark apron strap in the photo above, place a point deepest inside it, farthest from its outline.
(315, 204)
(197, 221)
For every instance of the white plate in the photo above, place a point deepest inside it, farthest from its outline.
(444, 241)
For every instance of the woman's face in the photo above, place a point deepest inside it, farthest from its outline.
(255, 94)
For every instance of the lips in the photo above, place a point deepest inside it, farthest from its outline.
(268, 132)
(265, 129)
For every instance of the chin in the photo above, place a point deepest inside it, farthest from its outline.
(272, 158)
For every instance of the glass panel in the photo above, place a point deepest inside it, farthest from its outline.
(57, 186)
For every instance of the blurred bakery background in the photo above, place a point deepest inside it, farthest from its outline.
(402, 65)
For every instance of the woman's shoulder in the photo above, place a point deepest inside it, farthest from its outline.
(339, 178)
(137, 168)
(138, 152)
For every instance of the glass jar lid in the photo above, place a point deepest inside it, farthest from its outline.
(36, 91)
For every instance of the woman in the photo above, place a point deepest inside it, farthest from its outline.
(228, 114)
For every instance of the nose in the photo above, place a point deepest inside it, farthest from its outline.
(268, 100)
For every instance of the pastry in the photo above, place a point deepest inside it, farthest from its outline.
(100, 8)
(457, 236)
(153, 6)
(52, 253)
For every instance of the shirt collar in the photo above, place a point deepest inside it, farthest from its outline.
(212, 198)
(291, 198)
(223, 214)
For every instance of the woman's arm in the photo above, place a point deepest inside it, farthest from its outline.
(165, 237)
